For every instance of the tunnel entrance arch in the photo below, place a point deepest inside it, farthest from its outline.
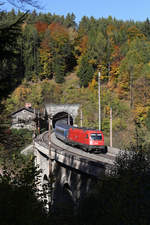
(63, 116)
(61, 111)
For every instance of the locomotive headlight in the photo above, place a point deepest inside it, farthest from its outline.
(91, 142)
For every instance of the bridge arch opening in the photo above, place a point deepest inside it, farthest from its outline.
(45, 181)
(45, 178)
(66, 186)
(62, 116)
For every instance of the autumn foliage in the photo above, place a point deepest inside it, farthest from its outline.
(41, 26)
(52, 47)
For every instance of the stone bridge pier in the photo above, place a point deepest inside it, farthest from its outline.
(70, 184)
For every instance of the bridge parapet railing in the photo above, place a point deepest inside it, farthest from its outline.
(40, 139)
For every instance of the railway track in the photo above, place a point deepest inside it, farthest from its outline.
(58, 145)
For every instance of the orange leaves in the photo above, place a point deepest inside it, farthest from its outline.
(41, 26)
(20, 94)
(134, 32)
(45, 44)
(114, 72)
(110, 32)
(115, 69)
(116, 55)
(110, 29)
(58, 32)
(83, 44)
(21, 91)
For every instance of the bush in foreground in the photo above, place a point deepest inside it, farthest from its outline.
(123, 197)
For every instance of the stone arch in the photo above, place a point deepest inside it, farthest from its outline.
(65, 184)
(45, 179)
(66, 117)
(68, 194)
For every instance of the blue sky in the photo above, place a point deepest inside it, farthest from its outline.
(137, 10)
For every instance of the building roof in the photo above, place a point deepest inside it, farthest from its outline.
(31, 110)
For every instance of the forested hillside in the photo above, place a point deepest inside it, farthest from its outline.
(50, 58)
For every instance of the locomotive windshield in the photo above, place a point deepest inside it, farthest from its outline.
(96, 136)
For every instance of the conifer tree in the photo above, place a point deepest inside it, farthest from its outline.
(10, 57)
(85, 72)
(58, 68)
(70, 20)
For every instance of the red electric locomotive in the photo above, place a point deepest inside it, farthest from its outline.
(90, 140)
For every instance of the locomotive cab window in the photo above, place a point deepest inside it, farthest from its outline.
(96, 136)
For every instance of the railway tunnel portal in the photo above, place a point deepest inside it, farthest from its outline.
(65, 112)
(63, 116)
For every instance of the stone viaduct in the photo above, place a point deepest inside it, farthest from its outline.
(76, 171)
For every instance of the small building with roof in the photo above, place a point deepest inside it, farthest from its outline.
(24, 118)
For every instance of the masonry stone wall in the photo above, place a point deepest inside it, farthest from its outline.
(73, 178)
(71, 186)
(71, 109)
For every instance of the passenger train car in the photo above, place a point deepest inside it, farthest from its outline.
(89, 140)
